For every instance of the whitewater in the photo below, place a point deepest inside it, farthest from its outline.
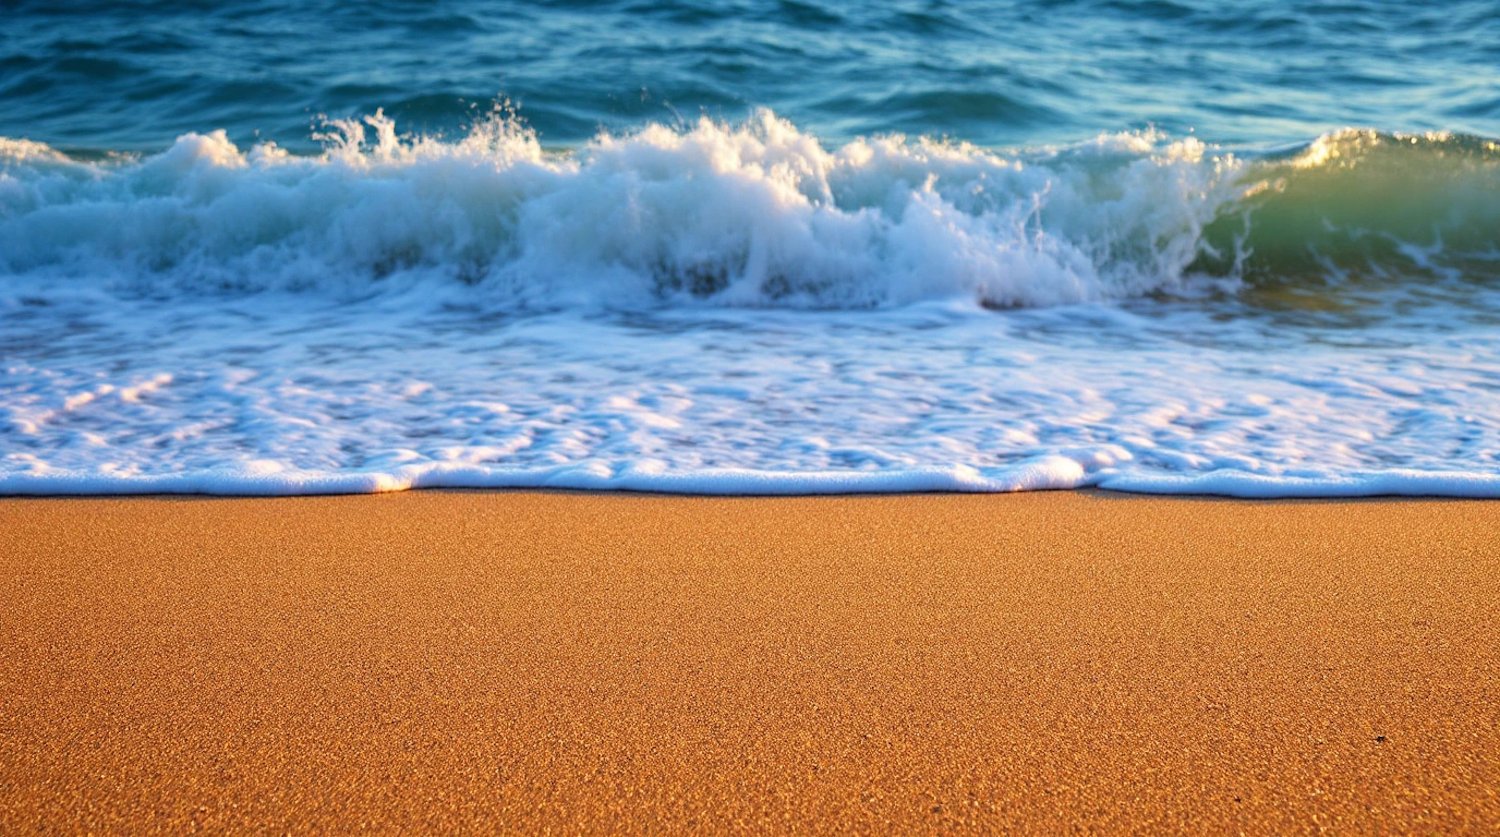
(744, 308)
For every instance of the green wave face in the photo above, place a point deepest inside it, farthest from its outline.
(1362, 210)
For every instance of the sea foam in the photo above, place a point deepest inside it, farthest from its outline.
(740, 309)
(756, 214)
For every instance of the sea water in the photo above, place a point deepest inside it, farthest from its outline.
(751, 247)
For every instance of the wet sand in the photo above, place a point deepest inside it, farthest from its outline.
(534, 662)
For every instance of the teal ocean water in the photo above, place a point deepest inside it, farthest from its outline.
(133, 76)
(742, 247)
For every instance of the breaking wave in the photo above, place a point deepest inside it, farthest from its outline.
(755, 214)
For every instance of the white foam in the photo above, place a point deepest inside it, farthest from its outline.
(282, 394)
(758, 213)
(490, 314)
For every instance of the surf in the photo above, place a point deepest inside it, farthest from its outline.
(755, 214)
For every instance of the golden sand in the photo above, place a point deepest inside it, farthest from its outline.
(533, 662)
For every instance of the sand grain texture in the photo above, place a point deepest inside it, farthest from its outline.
(567, 663)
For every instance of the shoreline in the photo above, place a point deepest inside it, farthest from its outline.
(1086, 491)
(519, 660)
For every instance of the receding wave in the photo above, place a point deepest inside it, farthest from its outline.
(757, 214)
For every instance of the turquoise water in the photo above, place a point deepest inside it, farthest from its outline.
(750, 247)
(133, 76)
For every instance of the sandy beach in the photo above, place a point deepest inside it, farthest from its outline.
(571, 663)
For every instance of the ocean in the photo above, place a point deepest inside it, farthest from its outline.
(750, 247)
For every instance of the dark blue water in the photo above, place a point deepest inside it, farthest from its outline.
(134, 75)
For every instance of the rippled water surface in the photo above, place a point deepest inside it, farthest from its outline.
(1018, 72)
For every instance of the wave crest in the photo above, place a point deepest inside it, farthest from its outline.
(1361, 207)
(753, 214)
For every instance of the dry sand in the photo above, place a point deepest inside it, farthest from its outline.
(533, 662)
